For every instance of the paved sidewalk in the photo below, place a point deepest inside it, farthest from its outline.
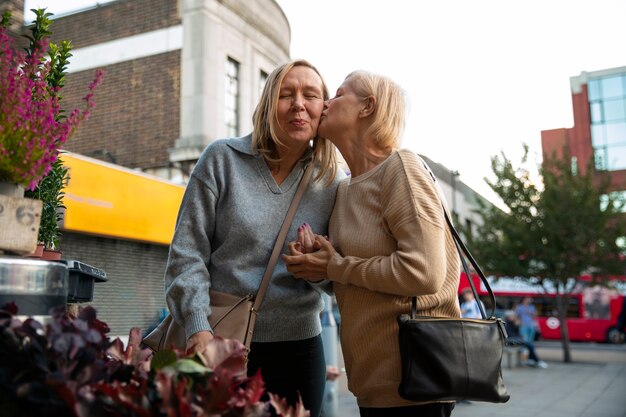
(588, 388)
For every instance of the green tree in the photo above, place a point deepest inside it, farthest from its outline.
(553, 232)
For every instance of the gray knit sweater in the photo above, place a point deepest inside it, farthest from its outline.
(227, 224)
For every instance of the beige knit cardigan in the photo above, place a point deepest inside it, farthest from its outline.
(392, 243)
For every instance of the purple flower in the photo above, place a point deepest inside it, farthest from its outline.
(31, 129)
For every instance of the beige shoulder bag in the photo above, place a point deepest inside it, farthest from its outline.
(232, 317)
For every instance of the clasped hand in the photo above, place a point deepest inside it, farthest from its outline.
(309, 255)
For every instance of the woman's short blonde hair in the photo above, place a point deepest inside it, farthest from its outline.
(265, 122)
(391, 107)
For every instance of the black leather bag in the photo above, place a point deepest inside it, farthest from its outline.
(453, 358)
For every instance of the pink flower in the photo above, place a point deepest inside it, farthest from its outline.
(31, 127)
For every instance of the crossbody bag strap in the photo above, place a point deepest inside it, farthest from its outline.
(462, 249)
(282, 234)
(463, 253)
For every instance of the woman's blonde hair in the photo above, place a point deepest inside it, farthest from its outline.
(265, 122)
(391, 107)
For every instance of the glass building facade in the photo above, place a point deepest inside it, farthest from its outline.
(607, 107)
(599, 131)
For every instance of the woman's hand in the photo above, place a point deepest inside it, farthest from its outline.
(310, 266)
(198, 341)
(306, 239)
(332, 373)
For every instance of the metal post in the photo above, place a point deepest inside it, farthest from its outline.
(454, 175)
(330, 405)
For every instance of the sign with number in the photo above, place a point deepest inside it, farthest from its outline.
(19, 224)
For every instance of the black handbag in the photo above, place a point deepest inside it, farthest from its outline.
(451, 359)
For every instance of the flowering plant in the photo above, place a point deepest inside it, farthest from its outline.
(71, 368)
(33, 127)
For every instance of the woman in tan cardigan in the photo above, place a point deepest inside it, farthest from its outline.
(389, 242)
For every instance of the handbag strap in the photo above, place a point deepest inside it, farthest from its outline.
(463, 253)
(280, 239)
(462, 249)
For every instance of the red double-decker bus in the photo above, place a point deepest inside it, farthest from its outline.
(591, 313)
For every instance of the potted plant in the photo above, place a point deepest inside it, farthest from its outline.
(70, 367)
(50, 192)
(33, 126)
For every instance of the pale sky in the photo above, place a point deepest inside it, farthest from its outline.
(483, 76)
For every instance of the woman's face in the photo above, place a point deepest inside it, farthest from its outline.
(300, 105)
(341, 112)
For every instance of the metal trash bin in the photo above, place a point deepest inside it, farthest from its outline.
(35, 286)
(81, 280)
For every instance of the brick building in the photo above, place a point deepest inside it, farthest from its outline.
(179, 74)
(599, 131)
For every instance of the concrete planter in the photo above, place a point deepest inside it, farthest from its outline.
(19, 220)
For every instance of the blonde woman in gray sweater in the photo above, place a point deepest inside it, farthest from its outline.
(388, 242)
(229, 218)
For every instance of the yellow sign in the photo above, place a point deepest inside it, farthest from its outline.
(109, 200)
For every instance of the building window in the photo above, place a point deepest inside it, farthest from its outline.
(574, 165)
(617, 196)
(262, 80)
(607, 106)
(231, 97)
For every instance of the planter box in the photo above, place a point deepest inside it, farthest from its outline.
(82, 278)
(19, 224)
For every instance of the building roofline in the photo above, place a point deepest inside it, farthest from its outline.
(576, 82)
(444, 174)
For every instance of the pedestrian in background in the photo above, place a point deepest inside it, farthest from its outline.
(233, 207)
(526, 312)
(469, 307)
(514, 338)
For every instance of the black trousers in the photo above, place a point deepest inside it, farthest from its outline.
(292, 368)
(426, 410)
